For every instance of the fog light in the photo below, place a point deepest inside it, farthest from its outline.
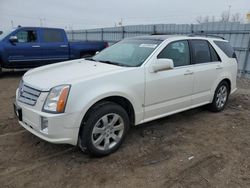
(44, 124)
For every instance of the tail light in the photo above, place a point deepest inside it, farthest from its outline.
(235, 56)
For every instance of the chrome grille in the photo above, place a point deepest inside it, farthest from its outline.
(28, 95)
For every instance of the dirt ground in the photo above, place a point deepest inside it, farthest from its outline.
(196, 148)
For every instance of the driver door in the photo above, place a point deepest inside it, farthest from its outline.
(26, 51)
(170, 91)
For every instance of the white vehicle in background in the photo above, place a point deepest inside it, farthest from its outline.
(93, 102)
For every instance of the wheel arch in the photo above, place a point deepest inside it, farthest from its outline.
(120, 100)
(228, 82)
(226, 78)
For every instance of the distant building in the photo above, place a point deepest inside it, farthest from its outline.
(248, 17)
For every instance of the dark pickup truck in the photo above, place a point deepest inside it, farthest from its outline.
(28, 47)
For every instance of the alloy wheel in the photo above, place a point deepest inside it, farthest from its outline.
(108, 131)
(221, 97)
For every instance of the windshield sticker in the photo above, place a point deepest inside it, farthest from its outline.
(148, 45)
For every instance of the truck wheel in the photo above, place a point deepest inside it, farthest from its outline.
(220, 97)
(86, 55)
(104, 129)
(1, 73)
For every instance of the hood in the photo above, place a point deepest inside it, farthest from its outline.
(46, 77)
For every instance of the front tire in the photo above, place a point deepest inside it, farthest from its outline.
(220, 97)
(104, 129)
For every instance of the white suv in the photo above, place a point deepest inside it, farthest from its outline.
(93, 102)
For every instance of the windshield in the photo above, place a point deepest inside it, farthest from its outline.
(129, 52)
(3, 34)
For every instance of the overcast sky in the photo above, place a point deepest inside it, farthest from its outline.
(83, 14)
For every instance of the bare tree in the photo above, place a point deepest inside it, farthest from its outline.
(206, 19)
(199, 19)
(225, 16)
(236, 17)
(213, 19)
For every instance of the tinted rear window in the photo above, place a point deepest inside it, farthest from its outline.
(215, 57)
(226, 48)
(201, 51)
(52, 35)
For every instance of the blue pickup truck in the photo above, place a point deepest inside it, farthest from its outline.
(28, 47)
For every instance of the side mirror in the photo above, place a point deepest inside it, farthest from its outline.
(162, 65)
(13, 39)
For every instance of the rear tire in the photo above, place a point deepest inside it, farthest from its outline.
(220, 97)
(104, 129)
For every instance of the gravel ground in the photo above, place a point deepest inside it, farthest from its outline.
(195, 148)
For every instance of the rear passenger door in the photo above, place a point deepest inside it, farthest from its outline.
(207, 68)
(54, 45)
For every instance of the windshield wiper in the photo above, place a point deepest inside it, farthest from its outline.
(107, 62)
(114, 63)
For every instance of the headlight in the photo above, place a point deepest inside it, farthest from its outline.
(57, 99)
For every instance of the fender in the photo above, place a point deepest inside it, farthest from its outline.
(94, 99)
(84, 95)
(223, 76)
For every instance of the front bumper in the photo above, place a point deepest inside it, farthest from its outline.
(60, 130)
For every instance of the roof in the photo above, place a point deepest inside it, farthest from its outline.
(31, 27)
(164, 37)
(154, 37)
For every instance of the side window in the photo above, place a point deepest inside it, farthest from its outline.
(214, 56)
(52, 35)
(177, 51)
(25, 36)
(200, 51)
(226, 48)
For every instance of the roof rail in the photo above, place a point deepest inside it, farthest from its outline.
(202, 33)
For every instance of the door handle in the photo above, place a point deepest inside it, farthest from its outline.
(188, 72)
(219, 67)
(63, 46)
(36, 46)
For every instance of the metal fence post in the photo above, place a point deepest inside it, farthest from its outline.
(123, 32)
(72, 32)
(192, 28)
(86, 33)
(102, 34)
(154, 29)
(246, 57)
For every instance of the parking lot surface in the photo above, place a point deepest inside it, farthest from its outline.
(196, 148)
